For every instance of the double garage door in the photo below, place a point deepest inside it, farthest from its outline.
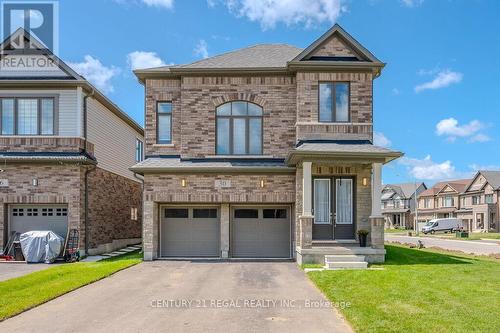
(23, 218)
(255, 232)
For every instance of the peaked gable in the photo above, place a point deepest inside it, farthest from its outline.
(337, 44)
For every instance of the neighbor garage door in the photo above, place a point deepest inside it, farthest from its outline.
(260, 232)
(25, 218)
(189, 232)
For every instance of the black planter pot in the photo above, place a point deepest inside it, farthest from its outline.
(362, 240)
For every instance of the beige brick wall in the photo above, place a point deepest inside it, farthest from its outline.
(334, 46)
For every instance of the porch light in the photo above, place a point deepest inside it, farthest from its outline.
(34, 182)
(365, 181)
(183, 182)
(262, 183)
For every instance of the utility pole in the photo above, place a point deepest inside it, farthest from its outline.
(416, 209)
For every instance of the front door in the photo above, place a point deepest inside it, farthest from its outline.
(333, 208)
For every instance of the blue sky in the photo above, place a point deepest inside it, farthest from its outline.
(437, 99)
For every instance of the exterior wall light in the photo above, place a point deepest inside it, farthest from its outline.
(34, 182)
(262, 183)
(365, 181)
(183, 182)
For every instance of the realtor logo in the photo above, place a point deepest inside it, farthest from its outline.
(38, 18)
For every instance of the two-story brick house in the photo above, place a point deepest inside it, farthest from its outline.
(480, 204)
(398, 204)
(65, 152)
(264, 152)
(441, 200)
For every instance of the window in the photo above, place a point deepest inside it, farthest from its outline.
(27, 116)
(488, 198)
(476, 199)
(334, 102)
(164, 122)
(239, 129)
(246, 213)
(210, 213)
(179, 213)
(139, 150)
(274, 213)
(448, 201)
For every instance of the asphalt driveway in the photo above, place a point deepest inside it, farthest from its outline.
(9, 270)
(181, 296)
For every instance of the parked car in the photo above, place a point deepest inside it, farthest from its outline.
(445, 224)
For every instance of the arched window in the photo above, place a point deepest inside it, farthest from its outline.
(239, 129)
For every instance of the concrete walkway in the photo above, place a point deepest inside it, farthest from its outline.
(474, 247)
(180, 296)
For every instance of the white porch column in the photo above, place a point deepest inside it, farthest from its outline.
(376, 190)
(306, 189)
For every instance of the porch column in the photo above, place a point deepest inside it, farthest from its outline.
(306, 217)
(376, 219)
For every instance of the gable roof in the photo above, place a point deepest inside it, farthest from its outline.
(492, 178)
(406, 190)
(281, 58)
(457, 184)
(72, 79)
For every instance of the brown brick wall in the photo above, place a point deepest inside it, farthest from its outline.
(111, 198)
(200, 188)
(43, 144)
(334, 46)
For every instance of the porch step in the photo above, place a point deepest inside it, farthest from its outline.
(347, 265)
(344, 258)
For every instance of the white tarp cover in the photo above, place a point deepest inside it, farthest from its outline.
(41, 246)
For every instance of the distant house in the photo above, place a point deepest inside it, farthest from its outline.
(480, 202)
(398, 204)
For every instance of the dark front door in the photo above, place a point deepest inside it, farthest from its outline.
(333, 203)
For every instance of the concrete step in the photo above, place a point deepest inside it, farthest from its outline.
(347, 265)
(344, 258)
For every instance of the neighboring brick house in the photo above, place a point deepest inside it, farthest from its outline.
(441, 200)
(398, 204)
(480, 202)
(65, 150)
(264, 152)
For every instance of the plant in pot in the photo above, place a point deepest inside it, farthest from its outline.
(362, 235)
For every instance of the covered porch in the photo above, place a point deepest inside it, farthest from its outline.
(338, 194)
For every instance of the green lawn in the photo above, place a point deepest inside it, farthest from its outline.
(25, 292)
(419, 291)
(479, 235)
(396, 231)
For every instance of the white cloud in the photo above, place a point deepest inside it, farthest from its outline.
(443, 79)
(94, 71)
(201, 49)
(379, 139)
(142, 59)
(490, 167)
(412, 3)
(168, 4)
(270, 12)
(395, 91)
(452, 130)
(427, 169)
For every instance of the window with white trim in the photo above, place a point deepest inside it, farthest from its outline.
(139, 150)
(27, 116)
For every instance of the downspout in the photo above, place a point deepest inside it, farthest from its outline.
(87, 171)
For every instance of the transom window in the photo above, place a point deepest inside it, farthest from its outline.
(334, 102)
(139, 150)
(239, 129)
(27, 116)
(164, 122)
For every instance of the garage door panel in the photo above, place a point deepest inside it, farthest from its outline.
(262, 235)
(23, 218)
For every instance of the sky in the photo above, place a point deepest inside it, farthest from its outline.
(437, 100)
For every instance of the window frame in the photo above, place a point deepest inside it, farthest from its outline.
(38, 98)
(247, 119)
(164, 114)
(139, 148)
(334, 103)
(487, 197)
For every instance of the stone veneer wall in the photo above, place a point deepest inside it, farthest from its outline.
(111, 198)
(196, 98)
(57, 184)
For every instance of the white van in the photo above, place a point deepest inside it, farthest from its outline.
(446, 224)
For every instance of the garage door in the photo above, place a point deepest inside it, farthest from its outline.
(189, 232)
(25, 218)
(262, 232)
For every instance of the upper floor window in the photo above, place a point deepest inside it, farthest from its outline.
(488, 198)
(476, 199)
(239, 129)
(139, 150)
(334, 102)
(427, 203)
(27, 116)
(448, 201)
(164, 122)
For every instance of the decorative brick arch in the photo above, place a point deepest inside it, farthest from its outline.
(231, 97)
